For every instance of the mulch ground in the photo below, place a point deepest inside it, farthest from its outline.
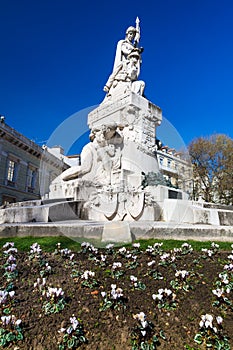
(113, 328)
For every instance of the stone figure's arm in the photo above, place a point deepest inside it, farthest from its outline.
(84, 168)
(86, 158)
(126, 49)
(111, 78)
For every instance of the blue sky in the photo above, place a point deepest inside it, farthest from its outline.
(57, 55)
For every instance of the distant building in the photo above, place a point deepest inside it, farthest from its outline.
(26, 169)
(176, 168)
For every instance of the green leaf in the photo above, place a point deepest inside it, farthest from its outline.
(7, 311)
(10, 336)
(82, 339)
(2, 331)
(162, 335)
(70, 343)
(3, 341)
(65, 338)
(19, 336)
(198, 338)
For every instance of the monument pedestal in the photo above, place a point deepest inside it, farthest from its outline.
(137, 120)
(126, 155)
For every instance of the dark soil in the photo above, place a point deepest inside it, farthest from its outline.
(113, 328)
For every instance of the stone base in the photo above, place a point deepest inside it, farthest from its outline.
(80, 230)
(116, 232)
(127, 207)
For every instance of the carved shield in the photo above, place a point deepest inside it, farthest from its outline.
(135, 205)
(107, 204)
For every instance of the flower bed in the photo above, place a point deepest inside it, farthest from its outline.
(116, 298)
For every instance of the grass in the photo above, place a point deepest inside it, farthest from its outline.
(48, 244)
(169, 244)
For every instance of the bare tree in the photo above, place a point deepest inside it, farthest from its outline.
(212, 159)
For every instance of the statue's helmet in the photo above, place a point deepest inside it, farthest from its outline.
(131, 29)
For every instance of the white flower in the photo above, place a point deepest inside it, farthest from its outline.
(167, 291)
(11, 267)
(143, 333)
(206, 320)
(224, 277)
(136, 245)
(122, 250)
(65, 251)
(11, 259)
(6, 319)
(165, 256)
(103, 294)
(12, 293)
(3, 296)
(48, 267)
(103, 257)
(214, 245)
(69, 330)
(59, 291)
(150, 263)
(133, 278)
(116, 292)
(208, 251)
(218, 292)
(54, 292)
(158, 245)
(87, 274)
(228, 267)
(35, 248)
(149, 249)
(115, 265)
(182, 273)
(141, 316)
(157, 296)
(219, 319)
(109, 246)
(8, 244)
(177, 250)
(17, 322)
(62, 330)
(185, 245)
(74, 322)
(10, 250)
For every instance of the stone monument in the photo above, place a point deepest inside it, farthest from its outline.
(122, 148)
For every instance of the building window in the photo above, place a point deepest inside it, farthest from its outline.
(169, 163)
(11, 172)
(31, 179)
(161, 160)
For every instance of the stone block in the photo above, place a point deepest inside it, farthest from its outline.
(117, 231)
